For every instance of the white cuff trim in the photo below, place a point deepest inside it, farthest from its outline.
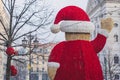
(53, 64)
(103, 32)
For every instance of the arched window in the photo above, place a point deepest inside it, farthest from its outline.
(116, 59)
(116, 37)
(116, 24)
(117, 77)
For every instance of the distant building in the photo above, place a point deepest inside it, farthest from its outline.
(38, 61)
(110, 55)
(4, 17)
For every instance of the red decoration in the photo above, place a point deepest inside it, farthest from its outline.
(13, 70)
(78, 59)
(71, 13)
(10, 51)
(16, 52)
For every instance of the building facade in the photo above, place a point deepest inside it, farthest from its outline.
(110, 55)
(40, 60)
(33, 66)
(4, 17)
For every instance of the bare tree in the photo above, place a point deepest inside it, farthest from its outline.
(109, 65)
(30, 14)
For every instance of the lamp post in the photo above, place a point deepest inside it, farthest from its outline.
(28, 43)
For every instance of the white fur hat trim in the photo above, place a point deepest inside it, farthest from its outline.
(77, 26)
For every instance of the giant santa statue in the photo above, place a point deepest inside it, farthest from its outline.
(76, 58)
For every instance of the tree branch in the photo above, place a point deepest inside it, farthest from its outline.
(4, 27)
(18, 60)
(8, 9)
(24, 10)
(11, 18)
(3, 36)
(22, 25)
(2, 40)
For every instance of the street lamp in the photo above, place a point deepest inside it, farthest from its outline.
(28, 42)
(36, 42)
(24, 42)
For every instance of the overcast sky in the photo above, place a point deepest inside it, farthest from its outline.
(61, 3)
(57, 5)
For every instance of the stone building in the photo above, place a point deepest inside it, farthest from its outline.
(4, 19)
(110, 55)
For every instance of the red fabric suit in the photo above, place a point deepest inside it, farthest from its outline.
(78, 59)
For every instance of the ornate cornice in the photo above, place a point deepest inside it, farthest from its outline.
(113, 1)
(91, 9)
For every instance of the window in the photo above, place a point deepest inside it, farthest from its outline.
(45, 51)
(45, 76)
(115, 24)
(37, 59)
(43, 69)
(34, 76)
(41, 50)
(116, 37)
(43, 61)
(117, 77)
(105, 60)
(116, 59)
(37, 69)
(31, 69)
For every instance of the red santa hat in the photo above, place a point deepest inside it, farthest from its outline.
(72, 19)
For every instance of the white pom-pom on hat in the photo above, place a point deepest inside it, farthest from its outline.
(72, 19)
(55, 28)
